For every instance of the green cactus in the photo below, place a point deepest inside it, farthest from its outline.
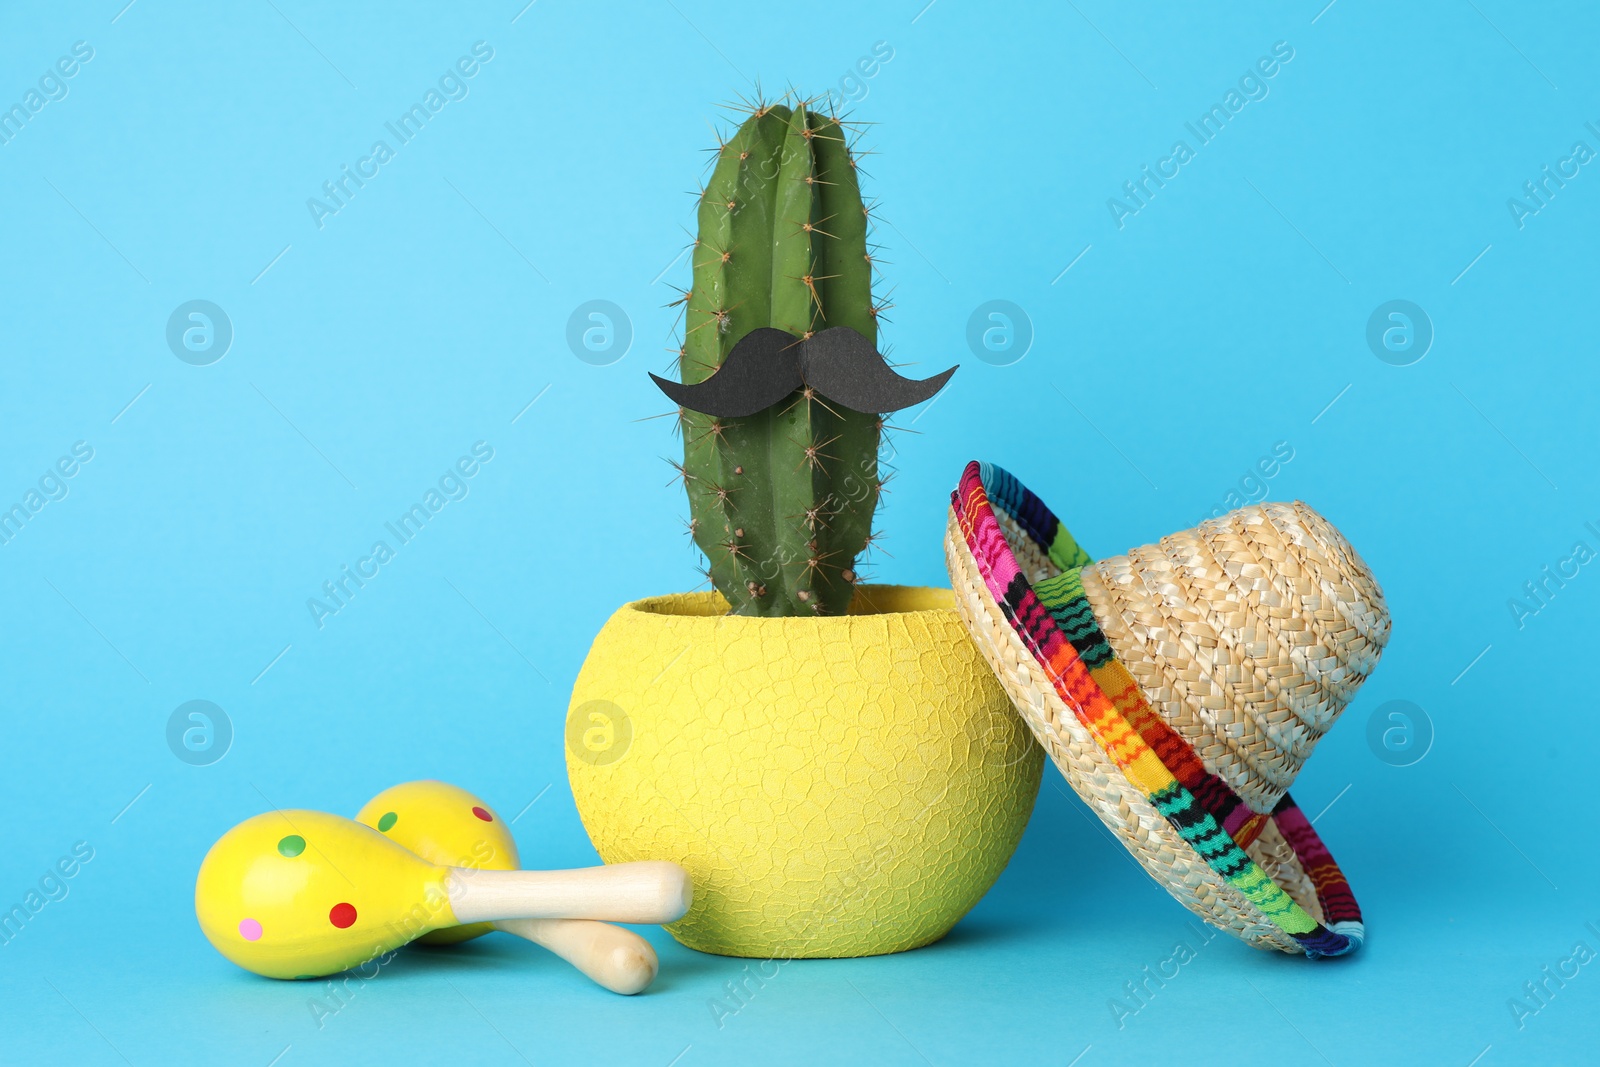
(781, 502)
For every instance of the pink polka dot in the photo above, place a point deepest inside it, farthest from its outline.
(484, 815)
(249, 929)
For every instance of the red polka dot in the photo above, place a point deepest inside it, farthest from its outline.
(484, 815)
(342, 915)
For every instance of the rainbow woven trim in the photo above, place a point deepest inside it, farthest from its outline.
(1055, 622)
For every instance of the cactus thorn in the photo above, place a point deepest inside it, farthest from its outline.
(663, 415)
(803, 395)
(810, 281)
(814, 454)
(812, 395)
(714, 431)
(811, 287)
(716, 315)
(813, 518)
(813, 227)
(717, 256)
(814, 563)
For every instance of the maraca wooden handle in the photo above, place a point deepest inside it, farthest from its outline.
(648, 891)
(618, 959)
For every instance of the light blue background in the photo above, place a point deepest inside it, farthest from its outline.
(1224, 317)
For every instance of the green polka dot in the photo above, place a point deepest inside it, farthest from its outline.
(292, 845)
(388, 820)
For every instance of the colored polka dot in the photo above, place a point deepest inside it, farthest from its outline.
(249, 929)
(292, 845)
(342, 915)
(482, 814)
(388, 820)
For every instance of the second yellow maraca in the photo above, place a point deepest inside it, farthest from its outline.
(447, 825)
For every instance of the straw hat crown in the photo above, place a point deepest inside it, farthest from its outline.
(1249, 634)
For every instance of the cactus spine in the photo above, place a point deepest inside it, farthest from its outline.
(781, 502)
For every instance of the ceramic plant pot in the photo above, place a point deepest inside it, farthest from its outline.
(840, 786)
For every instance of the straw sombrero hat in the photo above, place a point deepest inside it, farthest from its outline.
(1180, 687)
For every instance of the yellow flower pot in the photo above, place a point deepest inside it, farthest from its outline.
(842, 786)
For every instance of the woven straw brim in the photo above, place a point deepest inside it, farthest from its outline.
(1148, 836)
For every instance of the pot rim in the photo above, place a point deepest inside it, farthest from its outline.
(870, 601)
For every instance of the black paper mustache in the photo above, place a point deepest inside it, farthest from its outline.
(767, 365)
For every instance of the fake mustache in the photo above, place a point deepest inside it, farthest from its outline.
(767, 365)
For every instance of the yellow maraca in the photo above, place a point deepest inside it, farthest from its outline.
(301, 894)
(447, 825)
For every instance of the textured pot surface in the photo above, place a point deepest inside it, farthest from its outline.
(839, 786)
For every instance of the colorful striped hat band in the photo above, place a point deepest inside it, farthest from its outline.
(1260, 872)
